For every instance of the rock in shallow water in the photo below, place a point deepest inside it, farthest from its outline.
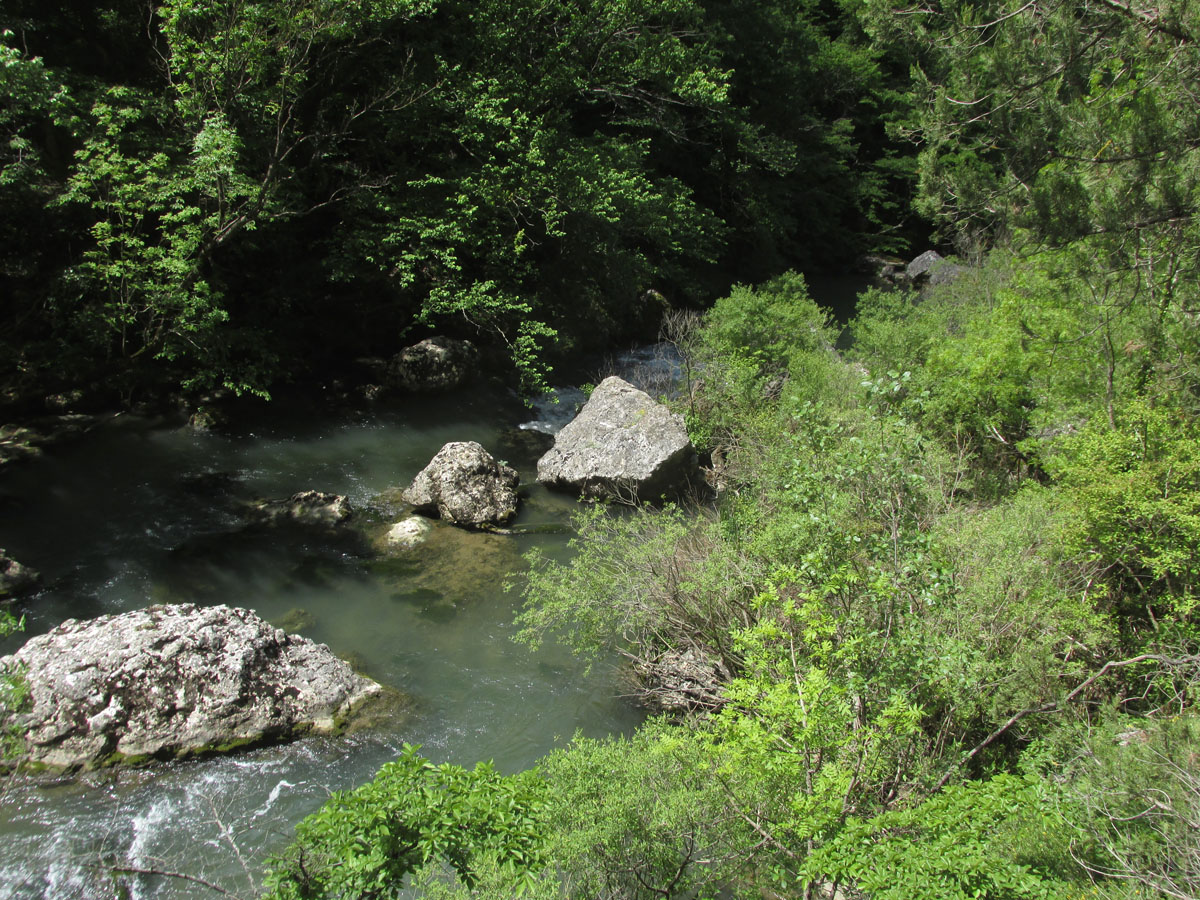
(407, 533)
(623, 446)
(463, 484)
(435, 364)
(308, 508)
(174, 681)
(15, 578)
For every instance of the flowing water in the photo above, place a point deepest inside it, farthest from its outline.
(140, 512)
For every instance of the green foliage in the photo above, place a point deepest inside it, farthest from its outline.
(364, 842)
(1135, 493)
(137, 288)
(993, 840)
(642, 582)
(1057, 128)
(233, 182)
(768, 326)
(640, 817)
(1058, 118)
(14, 693)
(30, 93)
(799, 747)
(754, 344)
(1017, 595)
(1132, 797)
(1006, 359)
(954, 360)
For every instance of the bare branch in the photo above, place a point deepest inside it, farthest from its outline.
(165, 873)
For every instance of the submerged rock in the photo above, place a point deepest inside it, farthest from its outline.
(174, 681)
(312, 508)
(15, 578)
(622, 446)
(435, 364)
(295, 620)
(464, 485)
(407, 533)
(457, 564)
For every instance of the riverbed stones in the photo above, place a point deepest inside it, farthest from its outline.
(465, 485)
(407, 533)
(622, 446)
(434, 364)
(174, 681)
(15, 578)
(315, 509)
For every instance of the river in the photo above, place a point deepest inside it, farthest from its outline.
(140, 512)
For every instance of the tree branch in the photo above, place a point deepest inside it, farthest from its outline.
(165, 873)
(1055, 705)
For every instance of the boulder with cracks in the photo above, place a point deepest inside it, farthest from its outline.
(172, 681)
(464, 485)
(622, 446)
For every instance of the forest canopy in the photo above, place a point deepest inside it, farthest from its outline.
(206, 194)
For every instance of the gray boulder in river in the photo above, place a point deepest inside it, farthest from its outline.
(173, 681)
(622, 446)
(463, 484)
(435, 364)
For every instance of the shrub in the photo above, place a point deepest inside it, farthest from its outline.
(362, 843)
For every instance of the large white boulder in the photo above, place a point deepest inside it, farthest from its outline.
(622, 446)
(173, 681)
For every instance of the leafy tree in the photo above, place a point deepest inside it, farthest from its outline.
(641, 818)
(1132, 798)
(1062, 127)
(642, 584)
(363, 843)
(229, 180)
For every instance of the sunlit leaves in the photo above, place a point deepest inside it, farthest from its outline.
(363, 843)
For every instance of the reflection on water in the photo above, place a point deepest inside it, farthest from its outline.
(139, 513)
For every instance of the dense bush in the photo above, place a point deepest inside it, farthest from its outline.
(363, 843)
